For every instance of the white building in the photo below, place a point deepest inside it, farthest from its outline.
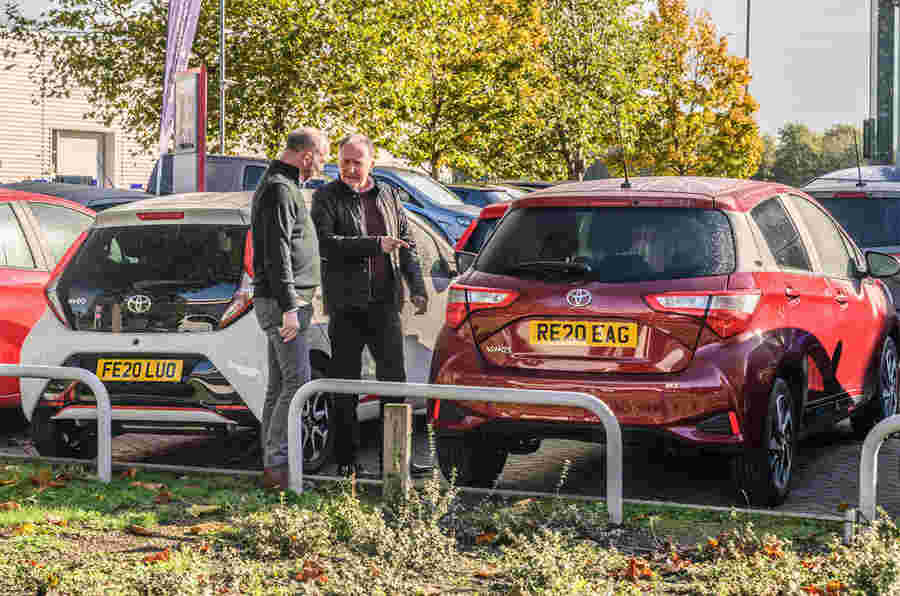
(46, 137)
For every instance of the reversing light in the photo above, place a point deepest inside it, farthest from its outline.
(461, 300)
(158, 215)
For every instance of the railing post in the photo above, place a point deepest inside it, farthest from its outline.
(868, 464)
(396, 449)
(104, 408)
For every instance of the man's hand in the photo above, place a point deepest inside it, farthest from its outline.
(421, 304)
(290, 325)
(389, 243)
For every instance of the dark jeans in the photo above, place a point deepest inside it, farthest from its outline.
(350, 330)
(288, 370)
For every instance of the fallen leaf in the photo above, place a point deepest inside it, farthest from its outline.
(9, 506)
(63, 477)
(163, 497)
(42, 477)
(523, 502)
(207, 528)
(26, 529)
(139, 530)
(56, 521)
(712, 542)
(834, 587)
(311, 570)
(812, 590)
(486, 538)
(198, 510)
(154, 486)
(773, 551)
(101, 497)
(809, 564)
(487, 572)
(129, 473)
(203, 547)
(843, 507)
(162, 555)
(56, 484)
(428, 590)
(8, 481)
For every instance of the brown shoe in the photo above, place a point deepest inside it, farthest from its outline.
(276, 478)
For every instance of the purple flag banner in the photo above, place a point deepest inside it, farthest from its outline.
(183, 16)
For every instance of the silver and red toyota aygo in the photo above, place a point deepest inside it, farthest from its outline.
(153, 299)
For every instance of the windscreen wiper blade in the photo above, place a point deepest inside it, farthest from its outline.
(550, 267)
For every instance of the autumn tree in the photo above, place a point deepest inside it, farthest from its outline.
(440, 80)
(698, 117)
(765, 171)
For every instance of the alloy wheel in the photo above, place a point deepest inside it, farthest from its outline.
(315, 427)
(781, 441)
(888, 373)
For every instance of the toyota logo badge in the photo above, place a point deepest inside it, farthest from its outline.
(578, 297)
(138, 304)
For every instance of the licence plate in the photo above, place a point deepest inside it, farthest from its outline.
(583, 333)
(134, 369)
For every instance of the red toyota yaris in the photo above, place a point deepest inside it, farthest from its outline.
(727, 314)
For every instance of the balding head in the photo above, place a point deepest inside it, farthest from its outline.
(307, 149)
(356, 154)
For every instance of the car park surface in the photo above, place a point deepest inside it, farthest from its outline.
(35, 232)
(712, 313)
(155, 301)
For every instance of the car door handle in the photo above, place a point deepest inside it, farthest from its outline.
(791, 292)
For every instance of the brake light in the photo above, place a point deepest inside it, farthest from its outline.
(241, 301)
(729, 313)
(849, 195)
(157, 215)
(51, 291)
(477, 299)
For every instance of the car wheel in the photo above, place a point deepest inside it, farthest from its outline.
(475, 461)
(62, 438)
(318, 430)
(763, 474)
(884, 403)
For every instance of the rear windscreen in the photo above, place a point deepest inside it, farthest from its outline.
(181, 255)
(611, 244)
(482, 230)
(869, 221)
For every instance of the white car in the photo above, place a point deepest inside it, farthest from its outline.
(156, 300)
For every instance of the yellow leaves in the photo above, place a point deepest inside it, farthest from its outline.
(25, 529)
(832, 588)
(636, 570)
(712, 543)
(10, 506)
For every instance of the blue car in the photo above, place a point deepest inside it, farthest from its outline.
(426, 196)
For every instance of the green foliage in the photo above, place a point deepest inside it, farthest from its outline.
(803, 154)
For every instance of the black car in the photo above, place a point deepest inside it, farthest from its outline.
(91, 197)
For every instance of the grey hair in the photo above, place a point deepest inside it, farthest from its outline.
(306, 139)
(357, 138)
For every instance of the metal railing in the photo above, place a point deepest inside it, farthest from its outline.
(868, 464)
(104, 409)
(458, 393)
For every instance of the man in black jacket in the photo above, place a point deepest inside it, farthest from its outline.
(366, 248)
(286, 274)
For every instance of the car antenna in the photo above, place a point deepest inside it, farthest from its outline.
(625, 184)
(858, 168)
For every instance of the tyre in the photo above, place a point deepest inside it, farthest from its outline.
(62, 438)
(474, 460)
(884, 403)
(763, 474)
(318, 430)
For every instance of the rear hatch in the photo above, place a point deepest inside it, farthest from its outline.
(600, 288)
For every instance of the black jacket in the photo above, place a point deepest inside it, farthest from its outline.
(286, 263)
(345, 247)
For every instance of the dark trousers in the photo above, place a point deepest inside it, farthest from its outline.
(350, 330)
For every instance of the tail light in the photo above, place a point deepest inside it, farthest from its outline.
(51, 291)
(461, 300)
(727, 313)
(242, 299)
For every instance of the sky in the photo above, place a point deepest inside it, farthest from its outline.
(808, 58)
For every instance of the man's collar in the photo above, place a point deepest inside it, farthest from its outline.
(292, 172)
(372, 184)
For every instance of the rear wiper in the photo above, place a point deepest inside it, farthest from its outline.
(550, 267)
(152, 283)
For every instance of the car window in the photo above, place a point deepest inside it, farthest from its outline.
(14, 251)
(482, 231)
(252, 176)
(61, 226)
(837, 261)
(781, 235)
(429, 187)
(425, 247)
(399, 192)
(610, 244)
(870, 221)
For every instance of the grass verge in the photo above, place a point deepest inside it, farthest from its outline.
(61, 532)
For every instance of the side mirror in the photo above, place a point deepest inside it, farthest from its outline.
(464, 260)
(881, 264)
